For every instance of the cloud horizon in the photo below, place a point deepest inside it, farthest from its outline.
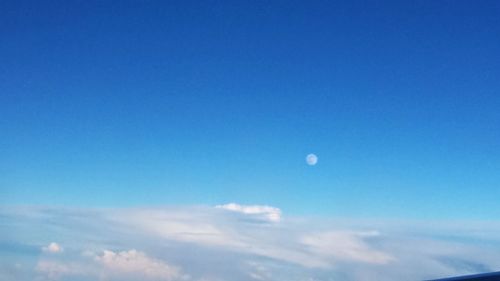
(234, 242)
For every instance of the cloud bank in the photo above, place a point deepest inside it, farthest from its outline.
(235, 242)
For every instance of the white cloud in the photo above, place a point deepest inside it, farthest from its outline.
(185, 226)
(341, 245)
(135, 262)
(210, 244)
(270, 213)
(53, 248)
(124, 265)
(258, 271)
(55, 270)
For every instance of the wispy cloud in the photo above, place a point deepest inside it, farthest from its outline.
(222, 243)
(48, 269)
(268, 212)
(340, 245)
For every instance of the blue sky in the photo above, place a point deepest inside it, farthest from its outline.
(167, 140)
(143, 103)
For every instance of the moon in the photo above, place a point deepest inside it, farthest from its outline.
(311, 159)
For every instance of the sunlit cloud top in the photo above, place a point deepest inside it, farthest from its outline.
(222, 243)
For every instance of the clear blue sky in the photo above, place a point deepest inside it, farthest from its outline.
(126, 103)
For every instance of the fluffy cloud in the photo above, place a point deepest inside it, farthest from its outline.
(53, 248)
(135, 262)
(109, 265)
(270, 213)
(206, 243)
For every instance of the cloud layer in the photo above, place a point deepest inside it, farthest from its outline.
(235, 242)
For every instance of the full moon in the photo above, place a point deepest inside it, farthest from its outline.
(311, 159)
